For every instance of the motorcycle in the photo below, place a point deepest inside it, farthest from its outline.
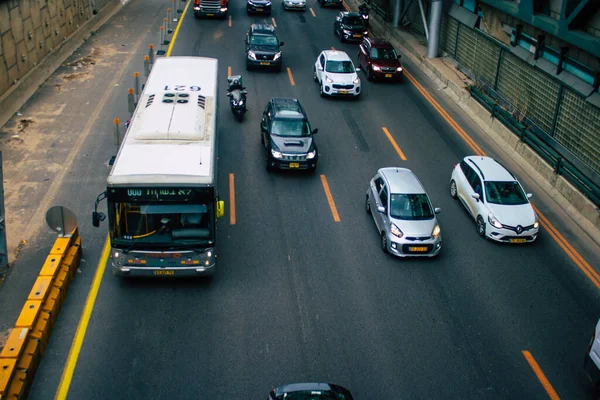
(237, 96)
(363, 10)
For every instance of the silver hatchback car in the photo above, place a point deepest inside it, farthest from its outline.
(403, 214)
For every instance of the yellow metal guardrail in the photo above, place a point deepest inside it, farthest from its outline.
(26, 343)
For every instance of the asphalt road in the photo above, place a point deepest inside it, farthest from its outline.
(299, 296)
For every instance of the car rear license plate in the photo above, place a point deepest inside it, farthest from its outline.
(265, 63)
(294, 165)
(388, 75)
(259, 9)
(518, 240)
(419, 249)
(164, 272)
(343, 91)
(210, 15)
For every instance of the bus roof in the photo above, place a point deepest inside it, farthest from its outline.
(171, 140)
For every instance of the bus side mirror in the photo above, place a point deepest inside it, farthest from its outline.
(220, 208)
(97, 217)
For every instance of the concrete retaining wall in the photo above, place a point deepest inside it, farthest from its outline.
(36, 36)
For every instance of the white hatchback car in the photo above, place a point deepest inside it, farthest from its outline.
(495, 200)
(336, 75)
(403, 214)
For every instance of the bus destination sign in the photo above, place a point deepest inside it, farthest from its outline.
(156, 194)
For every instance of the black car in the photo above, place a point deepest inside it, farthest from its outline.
(332, 3)
(312, 391)
(262, 47)
(258, 7)
(350, 27)
(287, 136)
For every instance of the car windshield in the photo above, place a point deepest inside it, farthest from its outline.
(263, 40)
(410, 207)
(339, 67)
(383, 54)
(507, 193)
(290, 127)
(353, 21)
(312, 395)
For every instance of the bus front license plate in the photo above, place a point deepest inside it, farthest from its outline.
(518, 240)
(417, 249)
(164, 272)
(294, 165)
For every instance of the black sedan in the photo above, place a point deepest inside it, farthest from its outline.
(258, 7)
(310, 391)
(350, 27)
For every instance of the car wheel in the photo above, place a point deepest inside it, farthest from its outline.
(247, 66)
(369, 74)
(262, 139)
(384, 242)
(315, 75)
(321, 90)
(278, 68)
(268, 164)
(480, 226)
(453, 190)
(367, 204)
(341, 38)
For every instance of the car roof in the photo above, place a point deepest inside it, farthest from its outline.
(337, 55)
(491, 169)
(380, 43)
(287, 107)
(402, 180)
(263, 28)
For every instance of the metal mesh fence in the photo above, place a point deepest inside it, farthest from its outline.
(578, 128)
(449, 30)
(528, 90)
(478, 54)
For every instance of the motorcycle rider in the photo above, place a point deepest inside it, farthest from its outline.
(363, 10)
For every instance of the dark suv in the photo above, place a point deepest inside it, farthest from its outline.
(262, 47)
(349, 26)
(287, 136)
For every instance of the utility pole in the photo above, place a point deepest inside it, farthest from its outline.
(3, 249)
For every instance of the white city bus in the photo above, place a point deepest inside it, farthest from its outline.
(161, 193)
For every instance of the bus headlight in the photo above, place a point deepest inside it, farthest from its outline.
(118, 258)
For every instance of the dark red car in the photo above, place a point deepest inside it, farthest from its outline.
(378, 59)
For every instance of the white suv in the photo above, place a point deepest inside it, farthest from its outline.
(336, 75)
(495, 200)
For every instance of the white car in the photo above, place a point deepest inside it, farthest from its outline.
(294, 4)
(336, 75)
(495, 200)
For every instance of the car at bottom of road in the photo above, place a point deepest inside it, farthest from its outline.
(591, 362)
(495, 199)
(294, 4)
(310, 391)
(263, 47)
(336, 75)
(350, 27)
(287, 136)
(258, 7)
(379, 60)
(403, 214)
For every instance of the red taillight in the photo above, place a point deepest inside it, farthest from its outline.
(223, 3)
(196, 2)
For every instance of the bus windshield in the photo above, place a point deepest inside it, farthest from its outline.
(161, 226)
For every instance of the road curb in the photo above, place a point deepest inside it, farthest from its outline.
(27, 342)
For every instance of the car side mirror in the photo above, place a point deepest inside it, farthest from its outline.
(475, 196)
(316, 130)
(437, 210)
(529, 195)
(357, 69)
(281, 43)
(381, 209)
(97, 217)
